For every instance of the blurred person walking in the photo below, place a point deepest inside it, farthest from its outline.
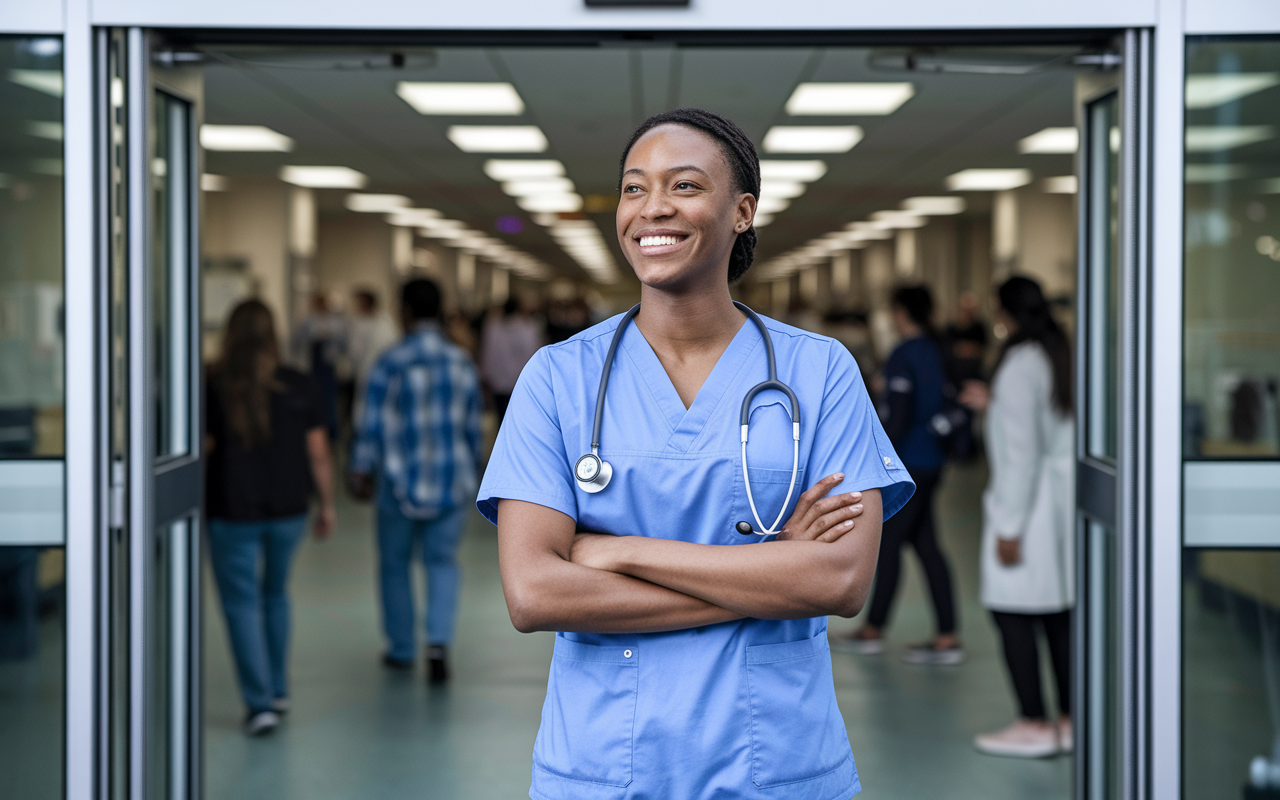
(319, 341)
(418, 443)
(1029, 515)
(267, 452)
(370, 334)
(510, 337)
(914, 379)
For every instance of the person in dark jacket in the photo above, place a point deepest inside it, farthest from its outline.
(268, 451)
(915, 381)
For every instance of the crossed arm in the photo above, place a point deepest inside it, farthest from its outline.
(557, 579)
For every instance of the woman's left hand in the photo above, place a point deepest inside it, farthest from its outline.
(1009, 551)
(325, 520)
(595, 550)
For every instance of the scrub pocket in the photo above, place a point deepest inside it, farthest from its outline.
(588, 719)
(797, 733)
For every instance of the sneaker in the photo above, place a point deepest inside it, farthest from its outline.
(398, 664)
(437, 667)
(1066, 740)
(1023, 739)
(281, 705)
(927, 653)
(260, 723)
(859, 642)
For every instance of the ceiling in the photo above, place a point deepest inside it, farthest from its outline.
(588, 100)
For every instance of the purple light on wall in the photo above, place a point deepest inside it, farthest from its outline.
(509, 224)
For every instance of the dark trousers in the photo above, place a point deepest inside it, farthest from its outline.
(1022, 657)
(914, 524)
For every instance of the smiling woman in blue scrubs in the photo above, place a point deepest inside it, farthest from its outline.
(691, 661)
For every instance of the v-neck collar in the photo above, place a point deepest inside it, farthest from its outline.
(688, 424)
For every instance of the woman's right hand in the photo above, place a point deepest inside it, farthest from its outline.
(818, 518)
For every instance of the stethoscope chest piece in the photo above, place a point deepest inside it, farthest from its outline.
(592, 473)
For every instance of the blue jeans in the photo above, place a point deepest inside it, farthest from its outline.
(251, 563)
(438, 539)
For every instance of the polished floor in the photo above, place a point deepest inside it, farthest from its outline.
(357, 731)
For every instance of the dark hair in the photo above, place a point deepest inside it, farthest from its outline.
(421, 299)
(367, 297)
(246, 371)
(1022, 300)
(738, 151)
(918, 303)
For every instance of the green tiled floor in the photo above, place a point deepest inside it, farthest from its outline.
(359, 732)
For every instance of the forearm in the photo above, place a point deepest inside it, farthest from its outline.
(558, 595)
(322, 475)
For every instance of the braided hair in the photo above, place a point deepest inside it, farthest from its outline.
(738, 151)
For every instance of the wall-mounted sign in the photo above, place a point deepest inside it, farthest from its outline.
(636, 3)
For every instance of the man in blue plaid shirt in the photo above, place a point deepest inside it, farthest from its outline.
(419, 436)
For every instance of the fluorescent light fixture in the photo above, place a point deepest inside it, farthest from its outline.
(1209, 138)
(812, 138)
(1061, 184)
(244, 139)
(934, 206)
(869, 230)
(1215, 173)
(777, 170)
(988, 180)
(498, 138)
(214, 183)
(376, 203)
(413, 217)
(772, 205)
(324, 177)
(761, 220)
(785, 189)
(45, 130)
(898, 219)
(522, 169)
(1269, 186)
(1051, 140)
(48, 81)
(527, 188)
(461, 98)
(831, 99)
(1207, 91)
(551, 203)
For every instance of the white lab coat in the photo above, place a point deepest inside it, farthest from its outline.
(1031, 491)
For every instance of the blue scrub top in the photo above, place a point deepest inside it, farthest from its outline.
(743, 709)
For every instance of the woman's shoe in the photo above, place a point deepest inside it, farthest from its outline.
(260, 723)
(860, 641)
(1023, 739)
(930, 653)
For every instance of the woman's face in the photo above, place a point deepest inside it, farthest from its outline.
(679, 213)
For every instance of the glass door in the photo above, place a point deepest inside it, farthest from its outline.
(151, 357)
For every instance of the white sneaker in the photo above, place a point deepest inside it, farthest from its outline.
(1066, 740)
(1023, 739)
(927, 653)
(260, 723)
(857, 642)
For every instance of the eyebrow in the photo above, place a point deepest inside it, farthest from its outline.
(683, 168)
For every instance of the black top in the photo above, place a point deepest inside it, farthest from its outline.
(273, 479)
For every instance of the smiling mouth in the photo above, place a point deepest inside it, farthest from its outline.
(660, 241)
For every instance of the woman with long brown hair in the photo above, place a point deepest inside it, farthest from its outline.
(268, 450)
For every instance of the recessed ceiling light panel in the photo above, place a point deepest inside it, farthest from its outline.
(551, 203)
(527, 188)
(376, 203)
(837, 99)
(988, 180)
(498, 138)
(244, 139)
(519, 169)
(1208, 91)
(812, 138)
(1060, 184)
(1051, 140)
(1209, 138)
(934, 206)
(324, 177)
(778, 170)
(461, 98)
(786, 189)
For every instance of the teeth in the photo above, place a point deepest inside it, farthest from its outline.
(656, 241)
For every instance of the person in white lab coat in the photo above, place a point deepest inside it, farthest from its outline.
(372, 332)
(1028, 507)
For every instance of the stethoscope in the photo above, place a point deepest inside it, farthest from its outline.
(593, 473)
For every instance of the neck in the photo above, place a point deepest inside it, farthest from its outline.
(690, 320)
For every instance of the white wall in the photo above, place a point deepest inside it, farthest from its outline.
(251, 222)
(354, 251)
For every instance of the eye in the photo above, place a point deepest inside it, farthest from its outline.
(685, 186)
(630, 188)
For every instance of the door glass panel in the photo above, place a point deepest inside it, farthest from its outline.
(1102, 689)
(1232, 290)
(169, 647)
(1102, 181)
(170, 172)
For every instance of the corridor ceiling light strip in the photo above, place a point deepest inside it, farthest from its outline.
(988, 180)
(582, 240)
(411, 217)
(840, 99)
(1208, 91)
(896, 219)
(519, 169)
(214, 183)
(461, 98)
(779, 170)
(498, 138)
(1051, 140)
(538, 186)
(934, 206)
(869, 230)
(787, 190)
(1210, 138)
(377, 203)
(761, 220)
(48, 81)
(45, 130)
(811, 138)
(566, 203)
(1060, 184)
(324, 177)
(772, 205)
(244, 139)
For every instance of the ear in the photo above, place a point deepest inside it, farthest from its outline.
(744, 213)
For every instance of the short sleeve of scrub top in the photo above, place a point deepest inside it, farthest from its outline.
(743, 709)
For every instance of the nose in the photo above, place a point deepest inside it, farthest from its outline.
(656, 206)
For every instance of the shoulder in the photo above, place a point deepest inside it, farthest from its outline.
(590, 344)
(1026, 364)
(814, 352)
